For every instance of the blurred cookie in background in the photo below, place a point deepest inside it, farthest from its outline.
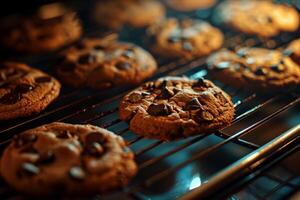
(258, 69)
(136, 13)
(187, 38)
(51, 26)
(261, 18)
(105, 62)
(189, 5)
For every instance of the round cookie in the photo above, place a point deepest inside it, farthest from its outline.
(256, 17)
(258, 69)
(102, 63)
(64, 159)
(186, 38)
(52, 27)
(24, 90)
(189, 5)
(176, 107)
(135, 13)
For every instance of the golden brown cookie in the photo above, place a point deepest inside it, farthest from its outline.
(258, 69)
(188, 38)
(135, 13)
(64, 159)
(24, 90)
(102, 63)
(176, 107)
(257, 17)
(52, 27)
(189, 5)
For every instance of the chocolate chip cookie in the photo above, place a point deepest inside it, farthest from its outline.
(50, 28)
(65, 159)
(136, 13)
(189, 5)
(176, 107)
(186, 38)
(258, 69)
(102, 63)
(256, 17)
(24, 90)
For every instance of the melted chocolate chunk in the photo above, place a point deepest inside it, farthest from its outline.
(135, 97)
(194, 104)
(29, 149)
(46, 158)
(174, 39)
(43, 79)
(260, 72)
(80, 46)
(23, 88)
(277, 68)
(64, 135)
(29, 169)
(24, 139)
(93, 144)
(86, 59)
(123, 65)
(200, 83)
(166, 93)
(10, 98)
(77, 173)
(99, 47)
(159, 110)
(187, 46)
(203, 116)
(222, 65)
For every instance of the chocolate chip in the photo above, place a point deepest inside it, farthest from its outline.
(203, 116)
(80, 46)
(99, 47)
(43, 79)
(94, 149)
(94, 137)
(173, 39)
(123, 65)
(86, 59)
(24, 139)
(277, 68)
(176, 90)
(46, 158)
(165, 93)
(200, 83)
(29, 169)
(187, 46)
(222, 65)
(128, 54)
(23, 88)
(158, 110)
(260, 71)
(64, 135)
(10, 98)
(135, 97)
(77, 173)
(193, 104)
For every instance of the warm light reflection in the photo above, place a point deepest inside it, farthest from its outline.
(196, 182)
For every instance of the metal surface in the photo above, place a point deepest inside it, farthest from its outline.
(254, 158)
